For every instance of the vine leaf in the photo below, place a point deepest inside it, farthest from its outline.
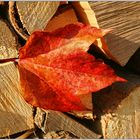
(55, 68)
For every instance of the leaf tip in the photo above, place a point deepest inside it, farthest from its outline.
(120, 79)
(106, 31)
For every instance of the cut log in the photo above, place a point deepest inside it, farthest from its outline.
(8, 41)
(119, 109)
(56, 121)
(123, 17)
(68, 16)
(16, 114)
(35, 17)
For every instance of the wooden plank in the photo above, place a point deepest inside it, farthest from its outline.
(124, 18)
(16, 114)
(118, 109)
(56, 121)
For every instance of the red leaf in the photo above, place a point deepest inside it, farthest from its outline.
(55, 68)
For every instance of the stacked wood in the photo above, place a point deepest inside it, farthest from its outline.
(116, 107)
(35, 17)
(16, 114)
(56, 121)
(123, 17)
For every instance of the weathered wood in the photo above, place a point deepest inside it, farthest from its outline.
(16, 114)
(124, 18)
(35, 17)
(8, 41)
(56, 121)
(119, 109)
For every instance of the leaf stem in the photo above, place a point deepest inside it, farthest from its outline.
(9, 60)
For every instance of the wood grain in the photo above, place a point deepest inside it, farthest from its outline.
(61, 20)
(56, 121)
(16, 114)
(124, 18)
(119, 109)
(8, 41)
(36, 15)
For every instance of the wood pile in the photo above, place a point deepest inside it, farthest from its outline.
(116, 109)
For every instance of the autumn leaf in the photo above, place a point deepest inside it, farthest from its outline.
(55, 68)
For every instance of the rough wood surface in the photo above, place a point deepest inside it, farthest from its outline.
(16, 114)
(8, 41)
(124, 17)
(119, 109)
(35, 17)
(118, 105)
(56, 121)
